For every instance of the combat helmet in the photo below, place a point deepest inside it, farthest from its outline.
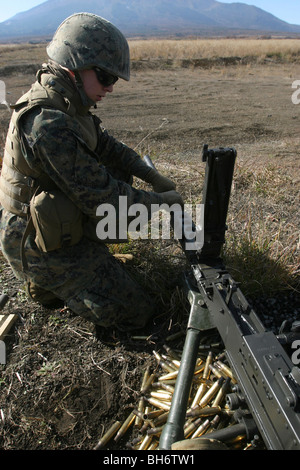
(85, 40)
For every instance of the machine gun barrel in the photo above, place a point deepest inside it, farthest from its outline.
(267, 379)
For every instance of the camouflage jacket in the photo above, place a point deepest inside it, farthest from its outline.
(70, 148)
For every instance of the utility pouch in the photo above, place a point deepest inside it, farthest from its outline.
(57, 221)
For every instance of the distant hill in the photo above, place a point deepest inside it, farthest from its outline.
(148, 17)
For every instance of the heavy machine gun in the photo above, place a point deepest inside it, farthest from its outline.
(267, 380)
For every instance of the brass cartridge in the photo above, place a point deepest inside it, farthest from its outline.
(148, 383)
(191, 427)
(222, 392)
(171, 353)
(217, 372)
(108, 435)
(155, 431)
(162, 418)
(145, 378)
(171, 375)
(159, 404)
(140, 408)
(161, 395)
(153, 414)
(209, 360)
(211, 392)
(226, 370)
(203, 412)
(145, 443)
(164, 386)
(127, 423)
(199, 394)
(201, 429)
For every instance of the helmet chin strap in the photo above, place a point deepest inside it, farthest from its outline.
(86, 101)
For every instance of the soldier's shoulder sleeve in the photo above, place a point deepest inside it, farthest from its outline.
(39, 122)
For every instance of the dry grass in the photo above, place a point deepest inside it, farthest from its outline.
(212, 48)
(287, 49)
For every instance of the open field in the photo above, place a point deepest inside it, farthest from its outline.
(61, 387)
(287, 49)
(256, 49)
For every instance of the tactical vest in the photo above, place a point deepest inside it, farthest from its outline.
(18, 180)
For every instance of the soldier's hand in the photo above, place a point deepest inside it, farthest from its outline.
(172, 197)
(159, 182)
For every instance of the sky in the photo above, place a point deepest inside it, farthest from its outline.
(286, 10)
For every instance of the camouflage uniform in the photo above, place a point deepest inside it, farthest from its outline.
(57, 140)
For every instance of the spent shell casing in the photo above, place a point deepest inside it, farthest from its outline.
(201, 429)
(126, 425)
(222, 392)
(153, 445)
(145, 377)
(198, 369)
(208, 361)
(171, 375)
(199, 394)
(171, 352)
(163, 363)
(211, 392)
(145, 443)
(159, 404)
(227, 370)
(203, 412)
(191, 427)
(162, 418)
(108, 435)
(215, 371)
(161, 395)
(148, 383)
(164, 386)
(155, 431)
(175, 336)
(153, 414)
(140, 408)
(139, 414)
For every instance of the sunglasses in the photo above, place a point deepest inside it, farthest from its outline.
(106, 79)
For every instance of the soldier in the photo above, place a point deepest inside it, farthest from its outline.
(59, 156)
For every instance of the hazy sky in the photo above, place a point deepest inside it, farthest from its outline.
(287, 10)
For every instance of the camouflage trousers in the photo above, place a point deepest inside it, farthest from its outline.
(112, 298)
(86, 277)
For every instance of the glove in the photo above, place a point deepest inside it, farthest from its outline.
(159, 182)
(171, 197)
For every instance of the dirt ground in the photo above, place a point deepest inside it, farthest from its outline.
(65, 383)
